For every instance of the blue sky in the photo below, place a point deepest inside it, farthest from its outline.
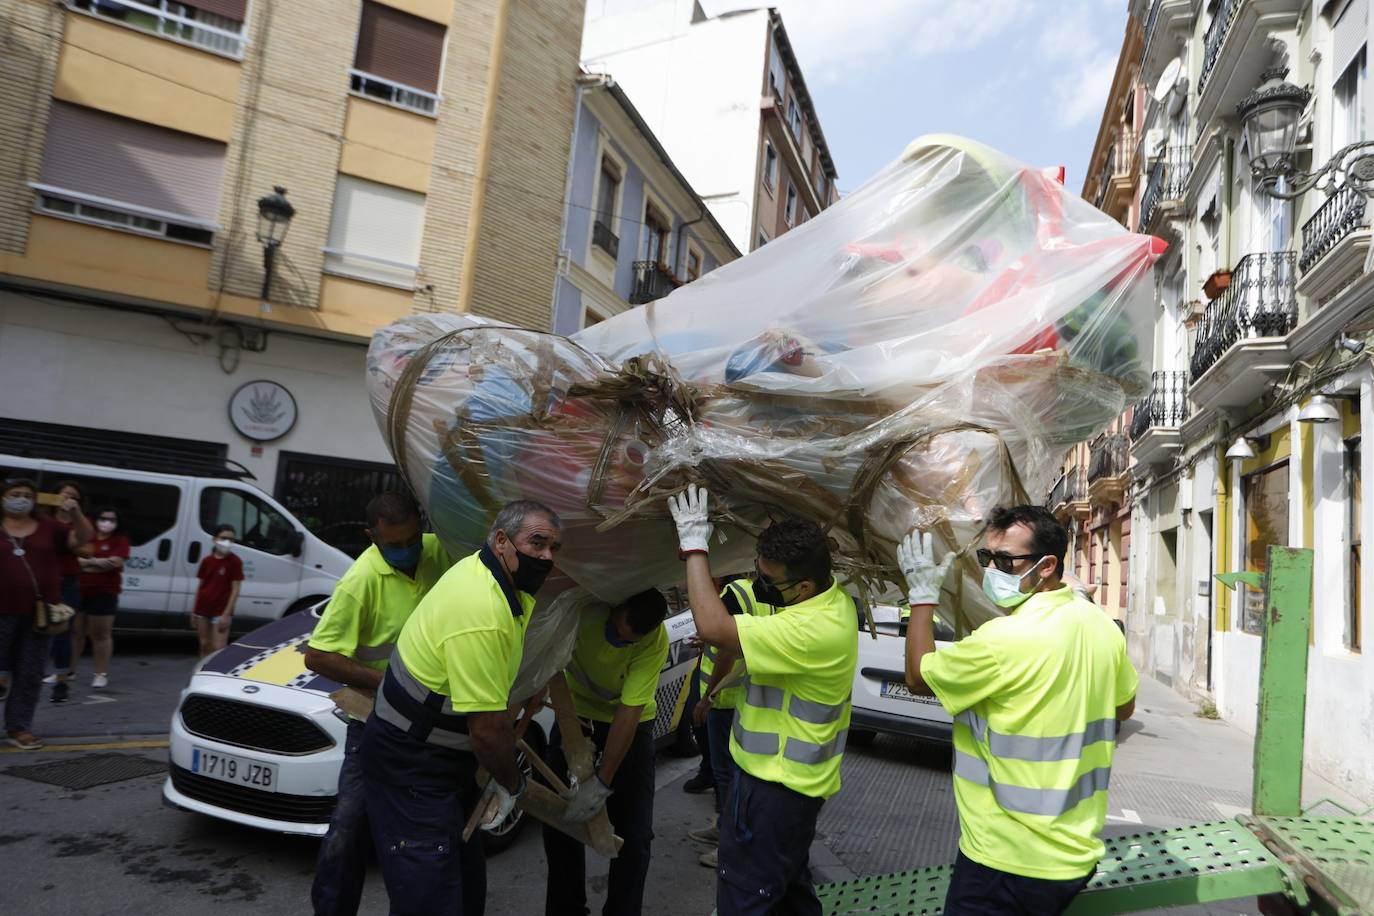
(1028, 77)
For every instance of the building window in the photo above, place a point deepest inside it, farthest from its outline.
(1347, 118)
(790, 208)
(125, 174)
(1354, 493)
(398, 58)
(777, 73)
(693, 264)
(1266, 525)
(770, 165)
(590, 318)
(214, 25)
(762, 239)
(656, 235)
(607, 193)
(259, 525)
(374, 232)
(794, 119)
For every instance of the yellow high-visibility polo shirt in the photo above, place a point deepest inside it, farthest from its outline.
(603, 677)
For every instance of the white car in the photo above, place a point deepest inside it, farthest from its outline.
(257, 741)
(880, 700)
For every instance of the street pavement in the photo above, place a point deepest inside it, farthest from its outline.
(115, 849)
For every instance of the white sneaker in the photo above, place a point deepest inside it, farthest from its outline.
(99, 681)
(50, 679)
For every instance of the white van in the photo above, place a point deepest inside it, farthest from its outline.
(170, 521)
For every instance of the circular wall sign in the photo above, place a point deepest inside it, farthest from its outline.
(262, 410)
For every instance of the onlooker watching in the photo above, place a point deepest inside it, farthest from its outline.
(220, 575)
(101, 578)
(28, 574)
(69, 571)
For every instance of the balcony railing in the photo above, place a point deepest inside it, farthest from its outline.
(1342, 214)
(1260, 302)
(1108, 456)
(1168, 181)
(605, 239)
(182, 21)
(1119, 163)
(652, 281)
(392, 92)
(1069, 488)
(1165, 407)
(1216, 37)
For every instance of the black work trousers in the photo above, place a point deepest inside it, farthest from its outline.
(977, 890)
(631, 810)
(766, 831)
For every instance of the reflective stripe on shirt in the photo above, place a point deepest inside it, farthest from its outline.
(1045, 802)
(1037, 749)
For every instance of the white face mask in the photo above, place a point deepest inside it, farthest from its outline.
(222, 545)
(1004, 589)
(18, 505)
(105, 527)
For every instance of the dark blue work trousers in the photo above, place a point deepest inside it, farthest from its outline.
(976, 890)
(766, 831)
(631, 810)
(342, 863)
(418, 834)
(723, 767)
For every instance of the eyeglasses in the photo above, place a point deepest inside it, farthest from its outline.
(763, 577)
(1003, 561)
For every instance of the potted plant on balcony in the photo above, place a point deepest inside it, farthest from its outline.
(1216, 284)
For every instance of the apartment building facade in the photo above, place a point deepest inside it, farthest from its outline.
(1252, 435)
(634, 228)
(735, 78)
(141, 137)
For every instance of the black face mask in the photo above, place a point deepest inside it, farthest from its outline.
(530, 572)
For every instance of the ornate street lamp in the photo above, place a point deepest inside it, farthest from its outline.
(1270, 116)
(274, 218)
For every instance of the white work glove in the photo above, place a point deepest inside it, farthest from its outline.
(588, 798)
(916, 557)
(498, 802)
(689, 513)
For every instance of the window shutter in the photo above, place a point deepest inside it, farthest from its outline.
(1349, 35)
(377, 221)
(131, 162)
(400, 47)
(229, 9)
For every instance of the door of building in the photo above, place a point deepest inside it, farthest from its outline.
(330, 495)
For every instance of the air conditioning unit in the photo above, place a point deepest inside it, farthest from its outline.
(1154, 142)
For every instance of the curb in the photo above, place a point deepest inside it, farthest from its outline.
(138, 730)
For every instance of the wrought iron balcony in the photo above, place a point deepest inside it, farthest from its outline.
(652, 281)
(1168, 181)
(1166, 406)
(1069, 488)
(1108, 457)
(605, 239)
(1342, 214)
(1261, 301)
(1216, 37)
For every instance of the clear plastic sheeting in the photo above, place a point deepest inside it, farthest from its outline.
(920, 352)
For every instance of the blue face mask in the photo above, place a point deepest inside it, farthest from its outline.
(1004, 589)
(612, 636)
(402, 557)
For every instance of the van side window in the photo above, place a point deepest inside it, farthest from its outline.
(258, 524)
(147, 511)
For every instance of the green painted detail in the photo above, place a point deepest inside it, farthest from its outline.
(1333, 857)
(1200, 863)
(1279, 721)
(1232, 579)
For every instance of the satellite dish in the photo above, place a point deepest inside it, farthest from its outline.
(1172, 70)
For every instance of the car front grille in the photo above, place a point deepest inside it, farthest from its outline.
(298, 809)
(247, 725)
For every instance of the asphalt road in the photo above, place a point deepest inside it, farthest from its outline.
(113, 848)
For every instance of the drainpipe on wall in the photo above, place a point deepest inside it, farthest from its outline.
(1228, 200)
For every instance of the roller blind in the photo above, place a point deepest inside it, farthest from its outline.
(375, 221)
(102, 155)
(1349, 35)
(400, 47)
(229, 9)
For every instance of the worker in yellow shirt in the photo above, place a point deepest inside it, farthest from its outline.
(1036, 697)
(612, 677)
(789, 730)
(716, 709)
(443, 710)
(351, 645)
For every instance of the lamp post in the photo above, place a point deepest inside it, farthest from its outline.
(1270, 116)
(274, 218)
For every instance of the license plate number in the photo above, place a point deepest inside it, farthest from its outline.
(228, 768)
(893, 690)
